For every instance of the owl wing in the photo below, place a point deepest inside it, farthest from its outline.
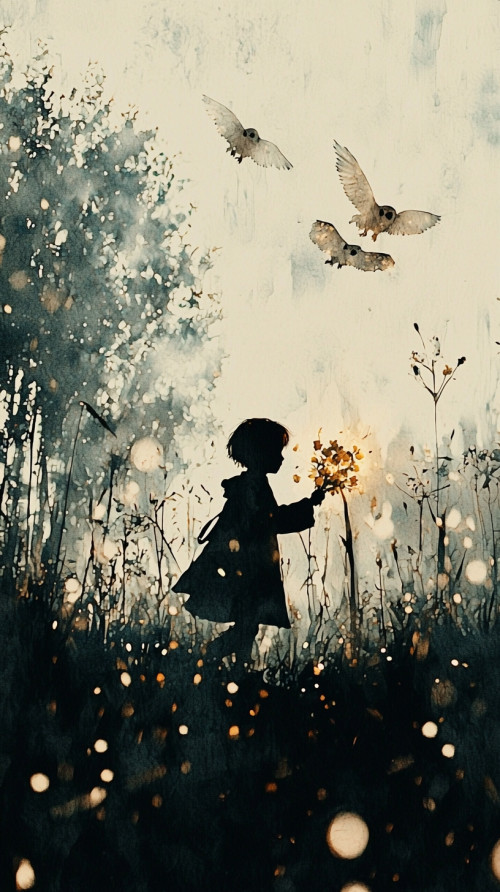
(227, 124)
(326, 237)
(369, 261)
(266, 154)
(356, 186)
(412, 222)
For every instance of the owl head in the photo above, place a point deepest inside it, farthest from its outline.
(387, 213)
(252, 134)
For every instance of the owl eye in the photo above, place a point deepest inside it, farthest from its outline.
(381, 212)
(250, 133)
(389, 215)
(353, 253)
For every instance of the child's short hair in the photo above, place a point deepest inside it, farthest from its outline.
(254, 437)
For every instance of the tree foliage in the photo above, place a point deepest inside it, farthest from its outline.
(95, 273)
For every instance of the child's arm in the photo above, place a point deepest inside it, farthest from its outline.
(297, 516)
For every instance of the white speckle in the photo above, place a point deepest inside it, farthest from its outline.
(429, 730)
(476, 572)
(453, 518)
(347, 835)
(39, 782)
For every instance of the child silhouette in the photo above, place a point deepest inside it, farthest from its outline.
(237, 576)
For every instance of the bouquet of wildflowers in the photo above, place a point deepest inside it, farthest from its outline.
(333, 467)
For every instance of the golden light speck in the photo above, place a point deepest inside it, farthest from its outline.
(220, 571)
(429, 730)
(448, 750)
(232, 687)
(96, 796)
(457, 598)
(157, 801)
(197, 678)
(101, 745)
(355, 887)
(234, 732)
(495, 860)
(39, 782)
(160, 678)
(347, 835)
(125, 679)
(25, 875)
(7, 309)
(185, 767)
(44, 204)
(173, 645)
(183, 729)
(107, 775)
(173, 611)
(97, 690)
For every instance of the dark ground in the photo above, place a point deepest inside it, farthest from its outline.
(245, 810)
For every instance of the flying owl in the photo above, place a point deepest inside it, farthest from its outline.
(326, 237)
(378, 218)
(244, 142)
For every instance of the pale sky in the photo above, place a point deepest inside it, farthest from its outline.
(413, 90)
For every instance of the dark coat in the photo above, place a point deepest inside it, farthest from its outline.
(237, 576)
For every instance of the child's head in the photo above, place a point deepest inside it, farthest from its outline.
(257, 444)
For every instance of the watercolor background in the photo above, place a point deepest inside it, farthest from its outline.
(414, 91)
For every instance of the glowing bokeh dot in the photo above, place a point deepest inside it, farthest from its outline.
(25, 875)
(430, 729)
(476, 572)
(39, 782)
(107, 775)
(355, 887)
(347, 835)
(96, 796)
(448, 750)
(232, 687)
(146, 454)
(101, 745)
(183, 729)
(495, 860)
(125, 679)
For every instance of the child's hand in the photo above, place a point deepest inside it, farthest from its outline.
(317, 497)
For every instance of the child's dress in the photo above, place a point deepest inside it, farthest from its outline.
(237, 576)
